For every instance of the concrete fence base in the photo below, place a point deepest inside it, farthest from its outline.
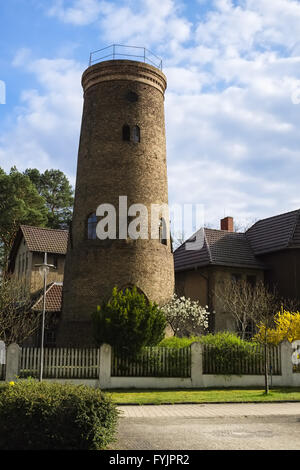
(197, 379)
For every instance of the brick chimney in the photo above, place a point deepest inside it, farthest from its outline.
(227, 224)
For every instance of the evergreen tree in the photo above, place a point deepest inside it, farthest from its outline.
(54, 187)
(20, 203)
(128, 322)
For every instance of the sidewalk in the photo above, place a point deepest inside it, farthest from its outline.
(210, 410)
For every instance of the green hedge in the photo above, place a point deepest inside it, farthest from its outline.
(222, 340)
(49, 416)
(223, 352)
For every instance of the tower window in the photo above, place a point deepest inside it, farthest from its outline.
(132, 97)
(91, 227)
(163, 232)
(136, 134)
(126, 132)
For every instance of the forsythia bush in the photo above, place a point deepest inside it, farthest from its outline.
(49, 416)
(287, 327)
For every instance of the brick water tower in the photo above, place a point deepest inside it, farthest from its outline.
(121, 162)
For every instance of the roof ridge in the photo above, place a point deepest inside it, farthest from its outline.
(272, 217)
(44, 228)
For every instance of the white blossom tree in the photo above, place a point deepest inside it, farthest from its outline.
(185, 316)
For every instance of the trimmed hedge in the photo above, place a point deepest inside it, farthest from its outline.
(223, 352)
(222, 340)
(50, 416)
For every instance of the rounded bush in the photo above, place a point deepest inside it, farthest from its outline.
(50, 416)
(128, 322)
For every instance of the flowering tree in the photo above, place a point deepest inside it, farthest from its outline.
(185, 316)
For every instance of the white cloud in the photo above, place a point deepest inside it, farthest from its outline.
(82, 12)
(232, 116)
(47, 123)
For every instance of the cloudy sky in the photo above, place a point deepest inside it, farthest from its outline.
(232, 103)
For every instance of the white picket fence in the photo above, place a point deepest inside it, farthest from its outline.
(61, 363)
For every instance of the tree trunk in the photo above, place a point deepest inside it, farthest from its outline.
(266, 370)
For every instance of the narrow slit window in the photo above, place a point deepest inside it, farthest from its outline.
(163, 232)
(136, 134)
(91, 227)
(126, 132)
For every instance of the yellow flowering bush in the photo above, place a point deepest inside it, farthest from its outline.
(287, 327)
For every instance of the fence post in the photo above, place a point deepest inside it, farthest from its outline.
(105, 366)
(13, 355)
(286, 364)
(196, 365)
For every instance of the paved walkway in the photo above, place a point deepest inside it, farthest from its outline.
(210, 410)
(226, 426)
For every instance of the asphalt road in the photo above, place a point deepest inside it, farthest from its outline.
(210, 427)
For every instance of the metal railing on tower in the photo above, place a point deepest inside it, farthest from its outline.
(120, 51)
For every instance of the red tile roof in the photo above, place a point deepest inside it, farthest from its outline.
(45, 239)
(53, 299)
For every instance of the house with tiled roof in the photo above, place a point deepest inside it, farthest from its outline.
(268, 251)
(276, 242)
(28, 250)
(29, 247)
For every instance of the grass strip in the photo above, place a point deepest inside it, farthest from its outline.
(228, 395)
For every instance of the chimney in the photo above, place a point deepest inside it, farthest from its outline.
(227, 224)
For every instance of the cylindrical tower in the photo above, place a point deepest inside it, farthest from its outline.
(122, 153)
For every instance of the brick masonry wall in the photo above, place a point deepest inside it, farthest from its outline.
(107, 168)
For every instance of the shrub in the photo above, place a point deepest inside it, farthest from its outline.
(186, 316)
(128, 322)
(49, 416)
(175, 342)
(223, 349)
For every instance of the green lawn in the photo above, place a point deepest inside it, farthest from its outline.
(238, 395)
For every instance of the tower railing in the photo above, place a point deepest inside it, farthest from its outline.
(119, 51)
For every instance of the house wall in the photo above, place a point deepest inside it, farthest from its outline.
(193, 284)
(225, 321)
(284, 272)
(201, 284)
(23, 264)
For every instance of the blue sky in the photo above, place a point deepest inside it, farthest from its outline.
(232, 102)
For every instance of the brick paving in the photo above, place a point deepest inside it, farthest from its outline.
(210, 410)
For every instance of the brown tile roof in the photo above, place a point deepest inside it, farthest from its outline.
(53, 299)
(275, 233)
(45, 239)
(216, 247)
